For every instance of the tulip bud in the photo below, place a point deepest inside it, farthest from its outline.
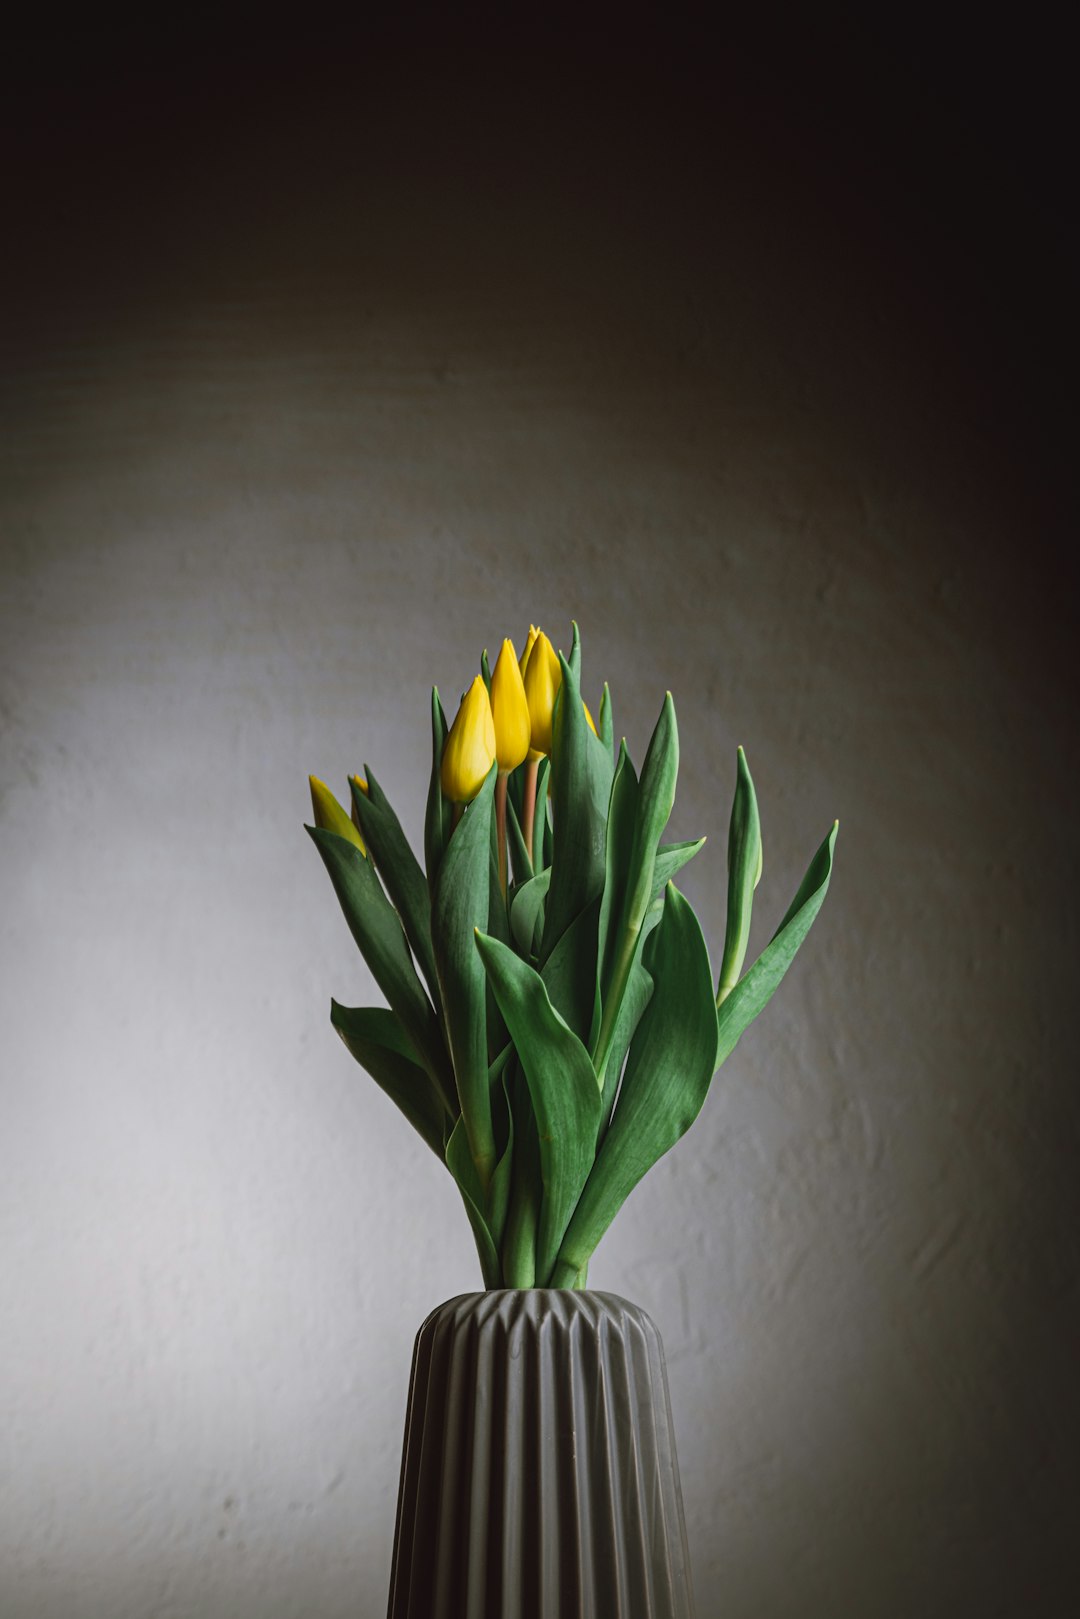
(588, 716)
(543, 677)
(330, 815)
(529, 644)
(470, 748)
(361, 787)
(509, 710)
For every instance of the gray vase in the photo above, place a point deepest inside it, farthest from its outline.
(539, 1475)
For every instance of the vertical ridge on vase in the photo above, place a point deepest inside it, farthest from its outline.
(539, 1476)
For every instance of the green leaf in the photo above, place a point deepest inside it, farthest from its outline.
(400, 871)
(670, 859)
(373, 1035)
(541, 849)
(639, 989)
(574, 660)
(459, 1161)
(498, 925)
(618, 847)
(437, 815)
(604, 721)
(376, 927)
(581, 777)
(755, 989)
(744, 869)
(667, 1077)
(521, 864)
(569, 975)
(655, 796)
(527, 909)
(562, 1086)
(459, 907)
(498, 1192)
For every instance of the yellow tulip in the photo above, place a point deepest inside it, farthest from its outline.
(543, 677)
(330, 815)
(588, 716)
(470, 748)
(509, 710)
(529, 644)
(361, 785)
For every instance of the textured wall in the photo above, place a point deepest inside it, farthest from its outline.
(313, 392)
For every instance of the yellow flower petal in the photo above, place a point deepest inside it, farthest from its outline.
(470, 748)
(529, 644)
(543, 677)
(509, 710)
(330, 815)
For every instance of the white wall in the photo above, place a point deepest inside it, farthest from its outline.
(351, 393)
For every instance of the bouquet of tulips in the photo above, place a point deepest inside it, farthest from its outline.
(553, 1023)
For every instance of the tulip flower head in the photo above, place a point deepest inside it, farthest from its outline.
(360, 786)
(543, 677)
(470, 747)
(330, 815)
(530, 642)
(509, 710)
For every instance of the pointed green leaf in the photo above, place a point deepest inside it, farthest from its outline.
(574, 660)
(639, 989)
(604, 721)
(459, 1161)
(376, 927)
(581, 774)
(562, 1085)
(459, 907)
(400, 871)
(754, 990)
(655, 796)
(521, 865)
(670, 859)
(744, 868)
(437, 815)
(618, 847)
(498, 1192)
(526, 910)
(667, 1077)
(541, 849)
(373, 1035)
(569, 975)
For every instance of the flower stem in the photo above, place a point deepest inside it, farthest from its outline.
(529, 805)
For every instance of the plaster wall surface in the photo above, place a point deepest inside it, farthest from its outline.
(353, 393)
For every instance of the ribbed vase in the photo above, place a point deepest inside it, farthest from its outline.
(539, 1478)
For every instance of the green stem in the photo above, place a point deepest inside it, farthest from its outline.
(529, 803)
(620, 977)
(519, 1240)
(566, 1274)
